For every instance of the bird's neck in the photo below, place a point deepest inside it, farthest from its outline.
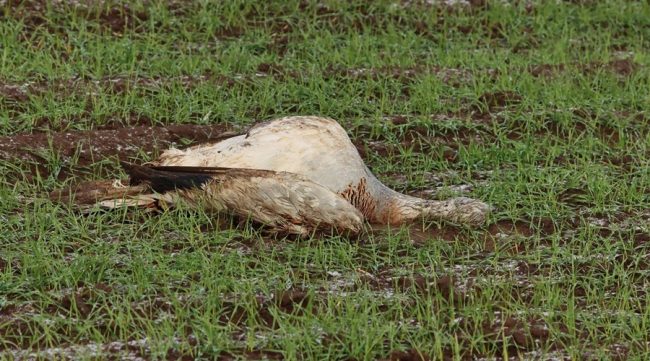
(395, 208)
(382, 205)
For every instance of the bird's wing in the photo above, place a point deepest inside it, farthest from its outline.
(168, 178)
(214, 170)
(286, 202)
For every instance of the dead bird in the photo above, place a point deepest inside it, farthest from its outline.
(295, 175)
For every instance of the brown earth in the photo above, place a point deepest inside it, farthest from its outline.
(12, 93)
(83, 148)
(512, 334)
(34, 14)
(409, 355)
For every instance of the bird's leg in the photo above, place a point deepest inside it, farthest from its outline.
(458, 210)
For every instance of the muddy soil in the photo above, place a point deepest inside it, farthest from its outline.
(83, 148)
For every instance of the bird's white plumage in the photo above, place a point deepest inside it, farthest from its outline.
(314, 147)
(287, 202)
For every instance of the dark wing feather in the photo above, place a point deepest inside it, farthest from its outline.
(163, 181)
(168, 178)
(216, 170)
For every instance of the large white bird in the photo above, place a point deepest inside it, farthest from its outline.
(295, 175)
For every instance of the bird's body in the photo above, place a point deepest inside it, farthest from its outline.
(314, 147)
(294, 174)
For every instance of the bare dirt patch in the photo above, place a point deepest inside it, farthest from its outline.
(294, 301)
(448, 233)
(250, 355)
(114, 84)
(82, 148)
(545, 70)
(514, 335)
(448, 75)
(436, 139)
(117, 19)
(408, 355)
(500, 99)
(12, 95)
(122, 18)
(620, 67)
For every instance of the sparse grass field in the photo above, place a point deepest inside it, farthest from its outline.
(538, 108)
